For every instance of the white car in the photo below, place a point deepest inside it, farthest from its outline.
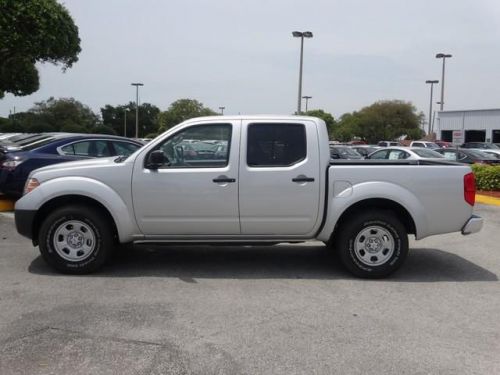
(489, 151)
(424, 144)
(404, 153)
(275, 183)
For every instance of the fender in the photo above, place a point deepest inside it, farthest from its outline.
(345, 195)
(58, 187)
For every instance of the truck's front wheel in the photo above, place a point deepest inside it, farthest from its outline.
(372, 244)
(76, 239)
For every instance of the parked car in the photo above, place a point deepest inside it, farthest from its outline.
(424, 144)
(19, 159)
(489, 148)
(405, 153)
(481, 145)
(444, 144)
(388, 143)
(468, 156)
(276, 184)
(364, 151)
(344, 152)
(491, 152)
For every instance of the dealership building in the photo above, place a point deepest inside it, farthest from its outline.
(481, 125)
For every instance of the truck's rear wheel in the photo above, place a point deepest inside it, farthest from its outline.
(76, 239)
(372, 244)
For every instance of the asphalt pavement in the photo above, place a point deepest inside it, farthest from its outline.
(287, 309)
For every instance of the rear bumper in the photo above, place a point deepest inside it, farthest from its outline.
(24, 222)
(473, 225)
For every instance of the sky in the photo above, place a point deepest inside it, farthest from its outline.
(241, 54)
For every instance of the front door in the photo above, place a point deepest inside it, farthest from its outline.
(196, 191)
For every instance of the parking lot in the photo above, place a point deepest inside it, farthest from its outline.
(288, 309)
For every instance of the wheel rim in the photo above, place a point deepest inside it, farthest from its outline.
(374, 245)
(74, 240)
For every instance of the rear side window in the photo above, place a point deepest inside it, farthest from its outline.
(124, 148)
(276, 145)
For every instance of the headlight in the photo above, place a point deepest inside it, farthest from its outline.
(11, 164)
(31, 185)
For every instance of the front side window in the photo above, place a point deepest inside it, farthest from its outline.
(199, 146)
(276, 145)
(382, 154)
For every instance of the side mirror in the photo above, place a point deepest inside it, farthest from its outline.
(157, 159)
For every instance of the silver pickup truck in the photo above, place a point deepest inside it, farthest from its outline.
(244, 179)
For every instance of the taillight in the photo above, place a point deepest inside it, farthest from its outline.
(470, 188)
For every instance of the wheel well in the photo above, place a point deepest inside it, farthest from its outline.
(67, 200)
(384, 204)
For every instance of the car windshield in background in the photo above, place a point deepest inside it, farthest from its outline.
(36, 143)
(432, 145)
(481, 155)
(346, 151)
(424, 153)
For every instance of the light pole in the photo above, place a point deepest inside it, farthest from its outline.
(307, 100)
(431, 82)
(125, 110)
(137, 84)
(301, 35)
(444, 57)
(222, 110)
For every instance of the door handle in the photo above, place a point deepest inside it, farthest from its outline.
(303, 179)
(221, 180)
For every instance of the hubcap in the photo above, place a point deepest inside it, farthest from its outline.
(74, 240)
(374, 245)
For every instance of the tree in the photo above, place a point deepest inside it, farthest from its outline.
(182, 110)
(383, 120)
(326, 117)
(347, 127)
(64, 112)
(33, 31)
(114, 117)
(52, 115)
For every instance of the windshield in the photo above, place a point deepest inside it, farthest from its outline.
(36, 143)
(346, 151)
(427, 153)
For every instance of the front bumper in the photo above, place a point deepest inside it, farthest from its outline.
(473, 225)
(24, 222)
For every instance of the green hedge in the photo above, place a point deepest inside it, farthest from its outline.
(487, 177)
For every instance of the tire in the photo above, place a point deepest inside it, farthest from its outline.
(76, 239)
(373, 244)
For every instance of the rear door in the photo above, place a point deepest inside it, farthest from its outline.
(279, 187)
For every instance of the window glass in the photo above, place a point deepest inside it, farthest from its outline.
(124, 148)
(428, 153)
(68, 150)
(382, 154)
(94, 149)
(398, 155)
(276, 145)
(450, 155)
(199, 146)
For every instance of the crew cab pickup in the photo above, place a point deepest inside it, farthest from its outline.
(246, 180)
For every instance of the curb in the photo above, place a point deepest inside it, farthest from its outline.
(484, 199)
(6, 205)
